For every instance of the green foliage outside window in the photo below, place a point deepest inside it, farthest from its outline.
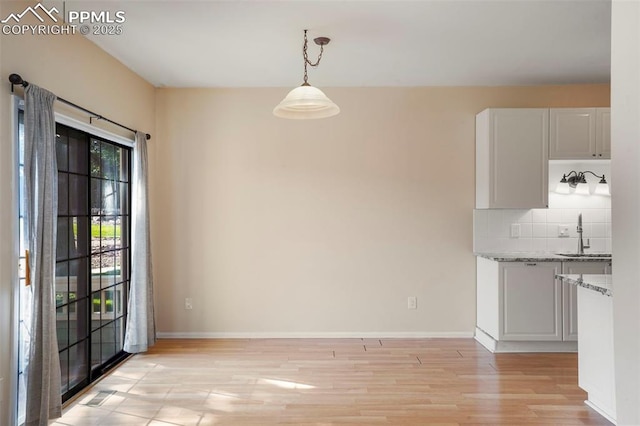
(108, 230)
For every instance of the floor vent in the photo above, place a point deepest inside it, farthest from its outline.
(100, 398)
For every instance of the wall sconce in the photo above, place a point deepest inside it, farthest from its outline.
(307, 101)
(578, 181)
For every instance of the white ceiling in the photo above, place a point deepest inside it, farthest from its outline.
(374, 43)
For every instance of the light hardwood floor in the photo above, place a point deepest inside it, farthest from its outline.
(335, 382)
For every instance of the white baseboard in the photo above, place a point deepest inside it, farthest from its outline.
(501, 346)
(316, 335)
(485, 340)
(600, 411)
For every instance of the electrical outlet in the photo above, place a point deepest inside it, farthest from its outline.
(188, 303)
(563, 231)
(412, 302)
(515, 230)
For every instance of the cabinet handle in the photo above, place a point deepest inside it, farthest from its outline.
(530, 264)
(599, 155)
(593, 155)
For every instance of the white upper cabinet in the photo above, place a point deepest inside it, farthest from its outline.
(512, 158)
(579, 133)
(603, 132)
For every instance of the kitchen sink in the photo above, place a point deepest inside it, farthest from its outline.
(585, 254)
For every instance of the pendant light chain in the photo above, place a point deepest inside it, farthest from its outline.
(306, 57)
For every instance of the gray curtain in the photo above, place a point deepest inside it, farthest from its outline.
(41, 197)
(141, 327)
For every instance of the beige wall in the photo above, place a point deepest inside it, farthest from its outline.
(77, 70)
(322, 227)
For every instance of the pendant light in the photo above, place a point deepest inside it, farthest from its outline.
(306, 101)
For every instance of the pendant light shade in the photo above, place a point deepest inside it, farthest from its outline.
(306, 102)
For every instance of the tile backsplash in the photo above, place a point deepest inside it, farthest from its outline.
(539, 230)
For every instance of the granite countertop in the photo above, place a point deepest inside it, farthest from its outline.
(542, 257)
(596, 282)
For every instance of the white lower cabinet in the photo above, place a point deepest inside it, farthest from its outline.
(522, 307)
(596, 373)
(530, 301)
(570, 294)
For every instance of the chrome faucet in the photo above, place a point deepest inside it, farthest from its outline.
(581, 245)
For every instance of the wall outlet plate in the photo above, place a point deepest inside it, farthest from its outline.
(515, 230)
(412, 302)
(563, 231)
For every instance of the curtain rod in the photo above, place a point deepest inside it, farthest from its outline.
(15, 79)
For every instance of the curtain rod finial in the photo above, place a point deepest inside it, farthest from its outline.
(16, 79)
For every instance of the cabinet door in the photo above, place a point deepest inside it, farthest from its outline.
(512, 158)
(530, 301)
(570, 295)
(596, 373)
(603, 132)
(572, 133)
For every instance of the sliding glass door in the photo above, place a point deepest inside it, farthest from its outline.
(92, 259)
(92, 272)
